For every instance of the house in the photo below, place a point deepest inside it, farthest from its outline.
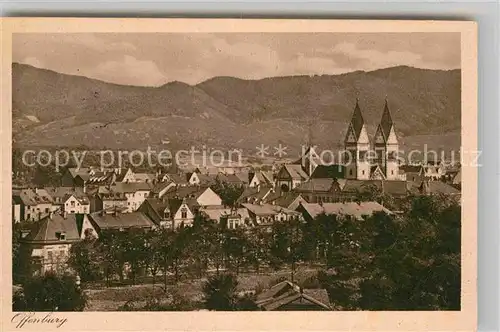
(203, 196)
(192, 178)
(76, 204)
(255, 194)
(260, 178)
(49, 240)
(231, 217)
(161, 188)
(287, 296)
(108, 201)
(433, 171)
(412, 172)
(60, 194)
(134, 192)
(321, 189)
(267, 214)
(157, 210)
(83, 177)
(290, 200)
(120, 221)
(435, 188)
(34, 203)
(290, 176)
(181, 212)
(178, 179)
(145, 177)
(350, 209)
(125, 175)
(231, 179)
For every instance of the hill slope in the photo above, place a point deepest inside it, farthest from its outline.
(54, 109)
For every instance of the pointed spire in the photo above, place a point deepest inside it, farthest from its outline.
(357, 121)
(386, 123)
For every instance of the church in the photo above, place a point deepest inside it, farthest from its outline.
(365, 160)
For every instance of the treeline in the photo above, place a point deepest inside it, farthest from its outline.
(384, 262)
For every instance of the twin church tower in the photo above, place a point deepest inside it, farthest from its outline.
(364, 161)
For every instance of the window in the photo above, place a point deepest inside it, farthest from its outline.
(350, 172)
(46, 210)
(72, 203)
(392, 172)
(184, 213)
(72, 211)
(363, 172)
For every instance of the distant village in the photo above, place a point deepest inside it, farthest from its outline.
(91, 200)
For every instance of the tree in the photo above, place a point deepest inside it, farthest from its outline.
(82, 259)
(227, 192)
(219, 293)
(51, 293)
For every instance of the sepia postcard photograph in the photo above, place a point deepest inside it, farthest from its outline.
(191, 174)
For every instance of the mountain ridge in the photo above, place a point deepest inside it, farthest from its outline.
(223, 110)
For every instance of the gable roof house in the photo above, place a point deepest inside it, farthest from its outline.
(267, 214)
(255, 194)
(120, 221)
(290, 176)
(49, 240)
(87, 176)
(35, 203)
(350, 209)
(287, 296)
(231, 217)
(161, 188)
(203, 196)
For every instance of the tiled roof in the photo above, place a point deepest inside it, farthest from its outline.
(144, 177)
(286, 292)
(179, 179)
(32, 197)
(132, 187)
(434, 187)
(296, 171)
(254, 194)
(313, 185)
(260, 210)
(121, 220)
(217, 213)
(286, 199)
(61, 192)
(160, 186)
(47, 229)
(329, 172)
(357, 210)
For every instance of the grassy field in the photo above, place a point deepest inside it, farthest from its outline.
(110, 299)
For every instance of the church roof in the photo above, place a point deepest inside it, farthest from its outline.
(386, 123)
(357, 121)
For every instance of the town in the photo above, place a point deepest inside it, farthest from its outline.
(299, 235)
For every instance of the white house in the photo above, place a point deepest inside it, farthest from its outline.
(76, 204)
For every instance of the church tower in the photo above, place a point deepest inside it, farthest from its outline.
(357, 146)
(309, 156)
(386, 145)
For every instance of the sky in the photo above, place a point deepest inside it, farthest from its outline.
(153, 59)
